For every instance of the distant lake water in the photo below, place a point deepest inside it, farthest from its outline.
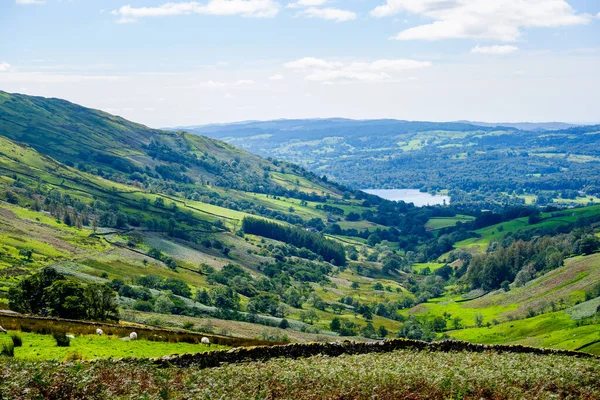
(414, 196)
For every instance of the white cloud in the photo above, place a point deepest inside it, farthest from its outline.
(218, 84)
(245, 8)
(4, 67)
(334, 71)
(306, 3)
(28, 2)
(498, 19)
(333, 14)
(277, 77)
(494, 50)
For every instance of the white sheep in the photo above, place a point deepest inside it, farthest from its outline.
(70, 336)
(132, 336)
(99, 332)
(2, 330)
(205, 341)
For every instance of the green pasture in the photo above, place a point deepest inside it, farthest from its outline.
(43, 347)
(555, 330)
(445, 222)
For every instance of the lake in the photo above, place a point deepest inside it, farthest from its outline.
(414, 196)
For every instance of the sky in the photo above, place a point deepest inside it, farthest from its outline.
(189, 63)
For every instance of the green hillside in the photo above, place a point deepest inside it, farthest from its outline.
(192, 233)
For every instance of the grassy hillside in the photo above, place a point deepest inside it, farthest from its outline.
(97, 222)
(95, 140)
(158, 217)
(550, 311)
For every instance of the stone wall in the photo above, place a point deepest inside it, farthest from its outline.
(296, 350)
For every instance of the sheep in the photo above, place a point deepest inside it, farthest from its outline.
(205, 341)
(99, 332)
(70, 336)
(132, 336)
(2, 330)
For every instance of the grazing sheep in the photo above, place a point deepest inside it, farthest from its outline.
(70, 336)
(132, 336)
(205, 341)
(2, 330)
(99, 332)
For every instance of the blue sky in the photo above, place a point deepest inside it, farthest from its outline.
(183, 63)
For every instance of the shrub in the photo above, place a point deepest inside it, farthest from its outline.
(61, 339)
(188, 325)
(16, 339)
(8, 349)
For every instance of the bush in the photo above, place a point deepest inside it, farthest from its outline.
(61, 339)
(16, 339)
(8, 349)
(188, 325)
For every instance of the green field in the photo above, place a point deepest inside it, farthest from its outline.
(496, 232)
(86, 347)
(444, 222)
(552, 330)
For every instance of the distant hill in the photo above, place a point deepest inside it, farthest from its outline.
(527, 126)
(488, 163)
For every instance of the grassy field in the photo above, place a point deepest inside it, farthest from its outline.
(549, 311)
(86, 347)
(497, 232)
(444, 222)
(554, 330)
(396, 375)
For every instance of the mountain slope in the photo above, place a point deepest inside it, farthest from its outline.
(94, 139)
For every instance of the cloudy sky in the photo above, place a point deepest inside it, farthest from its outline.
(184, 63)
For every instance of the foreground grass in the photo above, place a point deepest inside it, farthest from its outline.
(43, 347)
(401, 374)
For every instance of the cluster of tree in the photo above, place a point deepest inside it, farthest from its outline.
(328, 249)
(345, 327)
(386, 309)
(49, 292)
(519, 261)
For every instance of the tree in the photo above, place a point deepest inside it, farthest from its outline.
(456, 322)
(226, 298)
(142, 305)
(478, 320)
(101, 302)
(318, 302)
(505, 285)
(293, 297)
(284, 324)
(203, 297)
(438, 324)
(335, 324)
(309, 316)
(65, 299)
(382, 331)
(178, 287)
(378, 286)
(26, 252)
(589, 244)
(337, 308)
(264, 303)
(355, 285)
(368, 330)
(28, 296)
(163, 304)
